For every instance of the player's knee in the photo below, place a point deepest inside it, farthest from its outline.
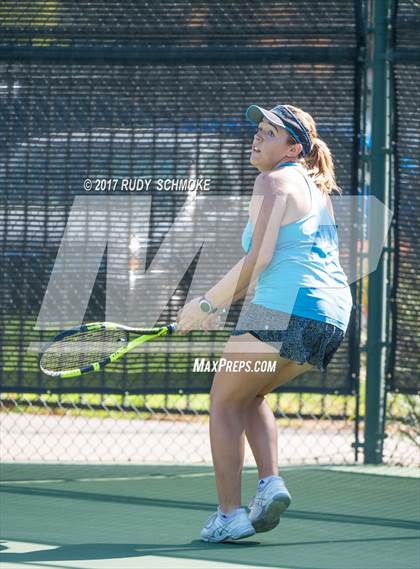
(228, 399)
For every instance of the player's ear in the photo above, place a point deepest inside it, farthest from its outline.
(295, 150)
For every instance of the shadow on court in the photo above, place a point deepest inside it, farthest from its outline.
(203, 506)
(337, 519)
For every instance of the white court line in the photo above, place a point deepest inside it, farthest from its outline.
(381, 470)
(117, 478)
(134, 478)
(377, 469)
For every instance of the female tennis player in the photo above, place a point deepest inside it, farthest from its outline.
(297, 318)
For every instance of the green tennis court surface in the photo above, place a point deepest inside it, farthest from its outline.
(82, 516)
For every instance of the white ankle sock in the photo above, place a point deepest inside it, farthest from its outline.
(263, 481)
(231, 514)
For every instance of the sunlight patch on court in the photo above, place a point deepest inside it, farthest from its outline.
(23, 547)
(134, 562)
(152, 562)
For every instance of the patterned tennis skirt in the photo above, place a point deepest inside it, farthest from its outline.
(300, 339)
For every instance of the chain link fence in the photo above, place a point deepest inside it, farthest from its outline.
(402, 437)
(312, 428)
(402, 405)
(164, 428)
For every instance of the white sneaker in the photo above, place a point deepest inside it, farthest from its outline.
(219, 529)
(268, 505)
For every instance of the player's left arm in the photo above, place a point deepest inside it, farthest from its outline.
(273, 192)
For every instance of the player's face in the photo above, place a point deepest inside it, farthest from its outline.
(270, 147)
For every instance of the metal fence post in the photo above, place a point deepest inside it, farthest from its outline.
(379, 187)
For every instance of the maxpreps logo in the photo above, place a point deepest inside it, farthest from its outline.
(203, 365)
(206, 230)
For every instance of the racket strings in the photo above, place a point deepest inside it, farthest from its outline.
(83, 349)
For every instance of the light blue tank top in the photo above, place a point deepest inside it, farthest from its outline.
(304, 276)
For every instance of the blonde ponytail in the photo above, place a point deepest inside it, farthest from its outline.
(320, 166)
(319, 162)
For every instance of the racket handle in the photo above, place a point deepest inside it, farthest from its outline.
(172, 327)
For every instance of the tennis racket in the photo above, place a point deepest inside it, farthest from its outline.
(90, 347)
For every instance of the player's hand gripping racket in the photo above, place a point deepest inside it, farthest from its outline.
(90, 347)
